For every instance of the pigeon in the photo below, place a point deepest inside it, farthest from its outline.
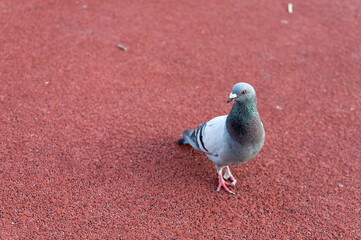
(230, 139)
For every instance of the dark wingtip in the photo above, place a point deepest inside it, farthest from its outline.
(181, 141)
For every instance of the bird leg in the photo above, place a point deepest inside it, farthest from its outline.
(222, 183)
(228, 174)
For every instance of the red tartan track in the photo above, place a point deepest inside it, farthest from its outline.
(88, 131)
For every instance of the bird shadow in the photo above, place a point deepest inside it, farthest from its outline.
(178, 164)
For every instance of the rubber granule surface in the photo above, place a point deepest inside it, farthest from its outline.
(88, 143)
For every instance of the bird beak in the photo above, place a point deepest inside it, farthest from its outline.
(231, 98)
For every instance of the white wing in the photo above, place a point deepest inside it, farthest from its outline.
(212, 140)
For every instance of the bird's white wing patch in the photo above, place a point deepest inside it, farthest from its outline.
(213, 134)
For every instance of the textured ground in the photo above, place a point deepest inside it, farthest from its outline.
(88, 131)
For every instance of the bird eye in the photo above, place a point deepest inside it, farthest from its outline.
(243, 92)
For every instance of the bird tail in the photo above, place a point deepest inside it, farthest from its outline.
(186, 137)
(191, 137)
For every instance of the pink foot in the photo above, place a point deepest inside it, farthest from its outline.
(223, 184)
(228, 175)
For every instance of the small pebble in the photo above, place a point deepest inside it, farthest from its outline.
(122, 47)
(290, 8)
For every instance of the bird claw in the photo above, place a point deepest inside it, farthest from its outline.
(224, 184)
(233, 193)
(233, 183)
(228, 175)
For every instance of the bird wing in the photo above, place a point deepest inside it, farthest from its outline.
(213, 134)
(208, 137)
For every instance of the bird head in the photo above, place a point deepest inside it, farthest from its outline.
(241, 93)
